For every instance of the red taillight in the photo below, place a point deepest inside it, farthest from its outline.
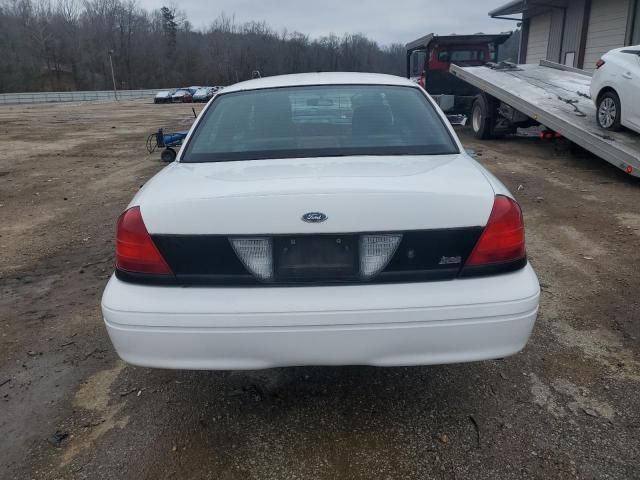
(600, 63)
(135, 250)
(503, 238)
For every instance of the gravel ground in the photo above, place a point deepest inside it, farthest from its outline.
(568, 406)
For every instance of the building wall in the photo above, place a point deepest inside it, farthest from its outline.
(539, 30)
(565, 32)
(607, 29)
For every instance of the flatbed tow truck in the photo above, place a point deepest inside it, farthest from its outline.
(429, 57)
(552, 95)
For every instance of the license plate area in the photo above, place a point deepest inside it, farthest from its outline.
(316, 258)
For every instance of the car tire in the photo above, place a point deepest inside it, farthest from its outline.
(609, 111)
(483, 117)
(168, 155)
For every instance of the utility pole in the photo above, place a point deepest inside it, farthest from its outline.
(113, 76)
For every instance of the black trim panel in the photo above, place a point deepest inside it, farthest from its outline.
(428, 250)
(493, 269)
(221, 281)
(199, 255)
(146, 278)
(422, 256)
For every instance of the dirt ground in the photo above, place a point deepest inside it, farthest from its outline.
(568, 406)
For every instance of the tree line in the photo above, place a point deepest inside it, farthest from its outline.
(53, 45)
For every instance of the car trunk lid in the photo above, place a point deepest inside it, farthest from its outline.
(356, 194)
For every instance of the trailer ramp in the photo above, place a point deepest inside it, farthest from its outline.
(559, 99)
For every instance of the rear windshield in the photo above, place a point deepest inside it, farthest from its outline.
(318, 121)
(461, 55)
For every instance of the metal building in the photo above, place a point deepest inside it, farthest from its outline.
(573, 32)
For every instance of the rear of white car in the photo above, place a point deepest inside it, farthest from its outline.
(321, 219)
(615, 89)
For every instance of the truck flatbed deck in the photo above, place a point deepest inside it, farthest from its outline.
(559, 100)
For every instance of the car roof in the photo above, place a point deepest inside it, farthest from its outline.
(325, 78)
(622, 49)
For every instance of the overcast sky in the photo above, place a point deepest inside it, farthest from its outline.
(386, 21)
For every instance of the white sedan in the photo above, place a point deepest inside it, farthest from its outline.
(615, 89)
(320, 219)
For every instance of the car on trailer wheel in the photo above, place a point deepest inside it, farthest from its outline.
(615, 89)
(320, 219)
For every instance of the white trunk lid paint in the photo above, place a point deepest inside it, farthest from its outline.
(357, 194)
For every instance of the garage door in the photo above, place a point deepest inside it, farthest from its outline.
(539, 29)
(607, 29)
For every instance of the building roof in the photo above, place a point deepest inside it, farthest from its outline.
(519, 6)
(324, 78)
(513, 7)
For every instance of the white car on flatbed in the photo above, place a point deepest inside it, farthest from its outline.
(615, 89)
(320, 219)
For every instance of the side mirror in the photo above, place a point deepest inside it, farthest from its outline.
(417, 61)
(471, 152)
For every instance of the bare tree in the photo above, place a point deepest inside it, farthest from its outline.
(64, 44)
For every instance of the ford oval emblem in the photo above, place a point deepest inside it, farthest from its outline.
(314, 217)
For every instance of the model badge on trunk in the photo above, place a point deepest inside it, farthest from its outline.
(314, 217)
(450, 260)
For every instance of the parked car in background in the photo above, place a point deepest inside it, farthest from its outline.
(182, 95)
(615, 89)
(320, 219)
(164, 96)
(203, 94)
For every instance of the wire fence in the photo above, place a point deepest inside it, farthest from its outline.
(53, 97)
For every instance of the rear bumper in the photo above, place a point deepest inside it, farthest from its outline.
(385, 325)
